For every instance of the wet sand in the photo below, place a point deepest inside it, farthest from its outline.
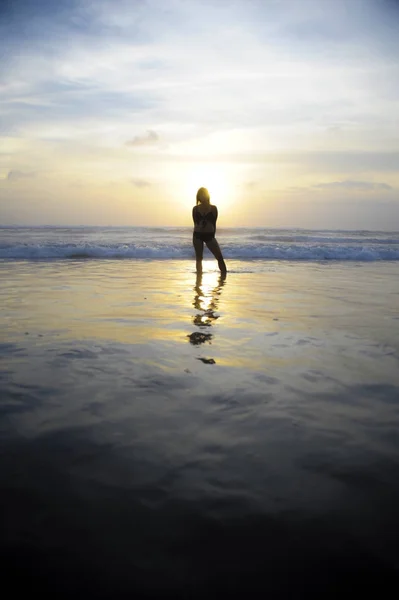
(169, 436)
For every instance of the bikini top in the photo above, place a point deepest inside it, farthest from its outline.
(200, 219)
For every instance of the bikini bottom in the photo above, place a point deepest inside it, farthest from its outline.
(204, 237)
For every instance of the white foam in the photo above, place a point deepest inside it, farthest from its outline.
(185, 251)
(45, 243)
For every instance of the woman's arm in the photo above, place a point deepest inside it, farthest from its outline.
(215, 212)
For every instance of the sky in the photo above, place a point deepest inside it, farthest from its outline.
(114, 112)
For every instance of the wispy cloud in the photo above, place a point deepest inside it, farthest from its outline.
(342, 161)
(362, 186)
(140, 183)
(15, 175)
(150, 138)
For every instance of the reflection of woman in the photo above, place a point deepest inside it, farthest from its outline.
(206, 300)
(205, 216)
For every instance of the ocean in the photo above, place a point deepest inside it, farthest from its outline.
(173, 243)
(168, 435)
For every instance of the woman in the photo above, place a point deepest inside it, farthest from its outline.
(205, 216)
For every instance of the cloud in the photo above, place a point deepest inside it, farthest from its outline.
(15, 175)
(348, 184)
(140, 183)
(250, 185)
(311, 160)
(144, 140)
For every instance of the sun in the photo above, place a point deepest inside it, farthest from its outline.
(214, 178)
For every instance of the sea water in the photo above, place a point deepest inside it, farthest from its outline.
(172, 243)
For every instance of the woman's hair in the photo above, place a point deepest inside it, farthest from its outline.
(203, 195)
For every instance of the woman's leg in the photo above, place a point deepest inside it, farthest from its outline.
(199, 251)
(217, 253)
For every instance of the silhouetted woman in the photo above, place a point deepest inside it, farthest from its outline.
(205, 216)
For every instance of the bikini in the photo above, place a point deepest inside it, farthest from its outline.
(203, 220)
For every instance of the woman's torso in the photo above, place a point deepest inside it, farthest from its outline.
(205, 218)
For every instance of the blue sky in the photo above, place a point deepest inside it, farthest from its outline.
(115, 112)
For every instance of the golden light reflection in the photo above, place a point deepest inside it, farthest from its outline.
(208, 288)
